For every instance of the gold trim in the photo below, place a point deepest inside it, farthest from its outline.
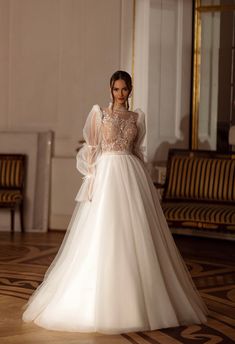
(215, 8)
(199, 9)
(196, 74)
(133, 50)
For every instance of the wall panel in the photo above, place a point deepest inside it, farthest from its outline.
(56, 58)
(163, 72)
(4, 61)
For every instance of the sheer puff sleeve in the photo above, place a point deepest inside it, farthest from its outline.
(139, 147)
(87, 156)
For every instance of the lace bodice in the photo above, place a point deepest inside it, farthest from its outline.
(119, 131)
(107, 131)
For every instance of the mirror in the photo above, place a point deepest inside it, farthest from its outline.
(213, 96)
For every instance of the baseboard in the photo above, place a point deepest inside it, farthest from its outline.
(204, 233)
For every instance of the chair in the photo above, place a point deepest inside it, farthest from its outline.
(199, 193)
(12, 178)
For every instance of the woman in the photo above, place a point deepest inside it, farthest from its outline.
(118, 269)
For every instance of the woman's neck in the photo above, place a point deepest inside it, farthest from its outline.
(119, 107)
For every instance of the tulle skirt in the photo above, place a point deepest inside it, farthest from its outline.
(118, 269)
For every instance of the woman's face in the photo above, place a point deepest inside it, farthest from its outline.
(120, 92)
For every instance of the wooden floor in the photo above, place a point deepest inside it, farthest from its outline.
(25, 258)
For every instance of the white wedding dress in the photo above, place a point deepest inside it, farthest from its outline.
(118, 269)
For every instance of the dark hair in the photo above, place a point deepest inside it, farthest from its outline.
(121, 75)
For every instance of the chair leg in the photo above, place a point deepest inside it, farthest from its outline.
(12, 220)
(22, 217)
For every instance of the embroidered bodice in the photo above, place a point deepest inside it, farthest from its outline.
(108, 131)
(119, 131)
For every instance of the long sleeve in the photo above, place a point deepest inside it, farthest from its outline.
(87, 156)
(139, 147)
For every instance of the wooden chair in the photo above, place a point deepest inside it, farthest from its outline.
(12, 178)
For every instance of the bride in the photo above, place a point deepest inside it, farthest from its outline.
(118, 269)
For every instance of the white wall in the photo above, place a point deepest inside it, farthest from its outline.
(56, 58)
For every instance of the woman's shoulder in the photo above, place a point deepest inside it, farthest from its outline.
(96, 111)
(139, 114)
(138, 111)
(96, 107)
(100, 109)
(133, 114)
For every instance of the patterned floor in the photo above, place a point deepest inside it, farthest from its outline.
(24, 259)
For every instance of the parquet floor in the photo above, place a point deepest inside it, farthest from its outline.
(24, 259)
